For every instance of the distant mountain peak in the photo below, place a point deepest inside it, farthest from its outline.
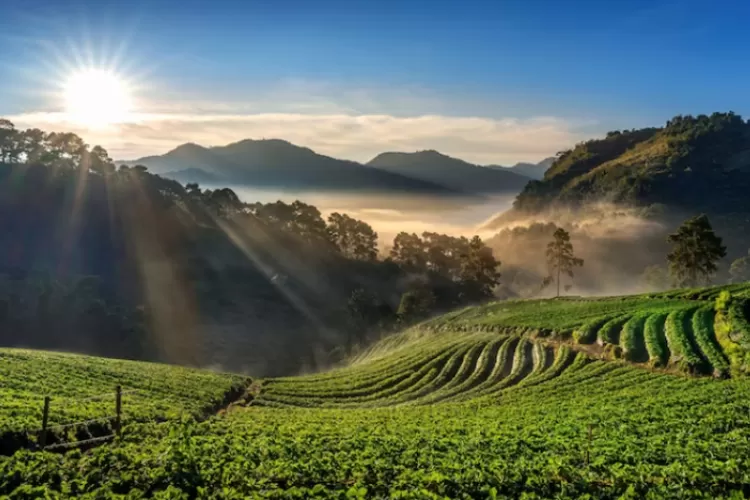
(432, 166)
(188, 147)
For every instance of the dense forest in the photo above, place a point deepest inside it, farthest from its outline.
(698, 163)
(116, 261)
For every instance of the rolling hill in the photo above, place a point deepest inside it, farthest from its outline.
(693, 163)
(276, 163)
(608, 398)
(431, 166)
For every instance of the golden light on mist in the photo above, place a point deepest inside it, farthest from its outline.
(96, 97)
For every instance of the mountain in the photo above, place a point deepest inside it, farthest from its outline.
(690, 166)
(531, 170)
(431, 166)
(280, 164)
(697, 164)
(189, 156)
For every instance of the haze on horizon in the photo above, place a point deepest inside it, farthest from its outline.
(488, 82)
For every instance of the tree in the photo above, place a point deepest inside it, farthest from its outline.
(416, 304)
(8, 142)
(100, 162)
(409, 251)
(696, 250)
(366, 311)
(193, 189)
(297, 218)
(479, 267)
(560, 257)
(740, 269)
(354, 238)
(224, 202)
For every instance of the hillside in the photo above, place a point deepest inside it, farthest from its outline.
(275, 163)
(437, 168)
(537, 411)
(672, 166)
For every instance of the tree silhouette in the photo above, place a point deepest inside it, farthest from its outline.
(479, 267)
(354, 238)
(560, 257)
(695, 251)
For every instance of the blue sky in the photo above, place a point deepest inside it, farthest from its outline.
(501, 81)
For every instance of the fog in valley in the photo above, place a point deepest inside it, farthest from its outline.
(624, 249)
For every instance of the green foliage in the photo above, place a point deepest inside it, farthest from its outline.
(527, 441)
(489, 401)
(609, 333)
(672, 165)
(631, 338)
(161, 391)
(587, 333)
(416, 304)
(458, 270)
(703, 327)
(678, 340)
(695, 251)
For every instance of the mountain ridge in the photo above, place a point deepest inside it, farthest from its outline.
(282, 164)
(433, 166)
(276, 163)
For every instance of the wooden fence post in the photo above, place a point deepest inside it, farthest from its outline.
(118, 411)
(45, 421)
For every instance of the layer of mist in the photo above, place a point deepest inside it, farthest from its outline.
(617, 243)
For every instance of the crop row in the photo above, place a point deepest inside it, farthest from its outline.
(703, 329)
(679, 340)
(477, 367)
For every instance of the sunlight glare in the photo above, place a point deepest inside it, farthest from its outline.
(96, 98)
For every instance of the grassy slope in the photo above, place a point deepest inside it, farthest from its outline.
(74, 383)
(517, 397)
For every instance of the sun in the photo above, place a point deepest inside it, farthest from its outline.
(96, 98)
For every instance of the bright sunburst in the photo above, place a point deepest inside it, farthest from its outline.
(96, 97)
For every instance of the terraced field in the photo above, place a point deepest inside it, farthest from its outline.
(626, 397)
(481, 352)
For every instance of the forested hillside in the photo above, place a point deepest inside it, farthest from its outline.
(120, 262)
(696, 163)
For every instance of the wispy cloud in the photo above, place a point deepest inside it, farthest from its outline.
(351, 136)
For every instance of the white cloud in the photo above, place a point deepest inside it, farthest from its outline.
(357, 137)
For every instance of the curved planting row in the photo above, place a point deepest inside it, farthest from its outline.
(655, 340)
(632, 338)
(703, 328)
(424, 367)
(609, 333)
(682, 338)
(679, 340)
(474, 367)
